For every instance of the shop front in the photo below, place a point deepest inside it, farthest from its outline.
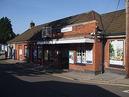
(115, 55)
(52, 56)
(77, 53)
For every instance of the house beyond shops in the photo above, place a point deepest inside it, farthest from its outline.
(87, 42)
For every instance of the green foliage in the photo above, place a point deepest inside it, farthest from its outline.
(6, 31)
(111, 49)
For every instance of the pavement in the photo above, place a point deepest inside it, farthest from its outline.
(106, 78)
(11, 61)
(46, 85)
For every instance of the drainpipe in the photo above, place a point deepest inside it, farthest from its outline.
(103, 41)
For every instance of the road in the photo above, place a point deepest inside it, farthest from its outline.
(22, 82)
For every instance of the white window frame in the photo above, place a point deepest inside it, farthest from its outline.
(83, 54)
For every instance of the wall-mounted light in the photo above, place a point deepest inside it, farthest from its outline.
(92, 33)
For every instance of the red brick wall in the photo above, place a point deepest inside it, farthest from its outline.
(97, 53)
(84, 30)
(81, 29)
(107, 54)
(85, 67)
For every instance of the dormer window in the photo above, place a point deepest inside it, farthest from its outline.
(46, 32)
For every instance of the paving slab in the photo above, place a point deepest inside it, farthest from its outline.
(108, 78)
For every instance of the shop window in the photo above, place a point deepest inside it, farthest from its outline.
(71, 57)
(84, 56)
(53, 55)
(89, 56)
(35, 54)
(39, 52)
(81, 56)
(20, 51)
(26, 52)
(116, 50)
(46, 55)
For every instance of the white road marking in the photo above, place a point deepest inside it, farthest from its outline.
(126, 91)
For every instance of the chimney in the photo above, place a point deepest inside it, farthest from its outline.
(32, 24)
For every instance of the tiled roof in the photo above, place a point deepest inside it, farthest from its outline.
(113, 22)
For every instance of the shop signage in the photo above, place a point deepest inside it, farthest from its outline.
(66, 29)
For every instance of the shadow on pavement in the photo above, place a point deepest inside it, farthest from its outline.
(10, 86)
(27, 69)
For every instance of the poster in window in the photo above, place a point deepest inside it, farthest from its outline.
(71, 56)
(89, 56)
(116, 49)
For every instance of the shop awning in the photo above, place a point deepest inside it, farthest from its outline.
(68, 41)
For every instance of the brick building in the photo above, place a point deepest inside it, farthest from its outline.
(87, 42)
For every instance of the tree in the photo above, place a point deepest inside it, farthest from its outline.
(6, 31)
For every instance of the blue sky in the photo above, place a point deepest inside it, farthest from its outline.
(22, 12)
